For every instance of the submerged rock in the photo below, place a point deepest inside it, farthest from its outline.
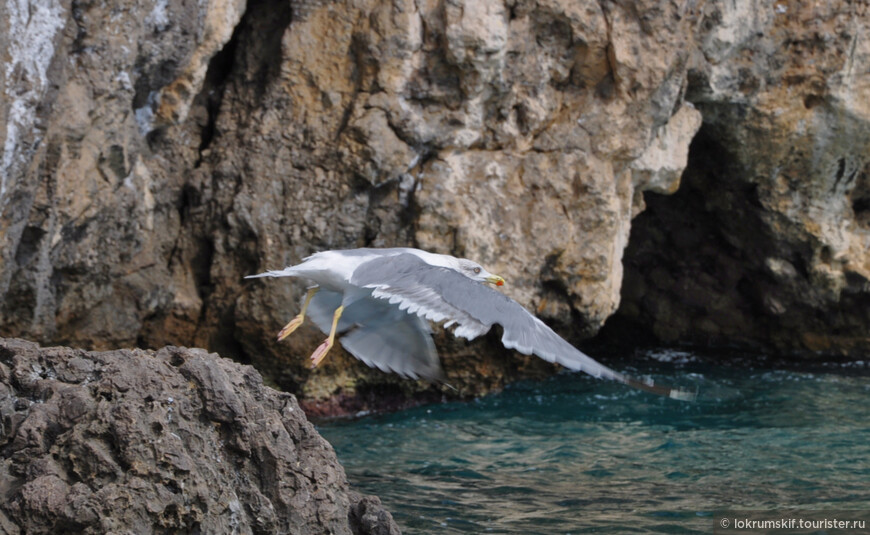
(175, 440)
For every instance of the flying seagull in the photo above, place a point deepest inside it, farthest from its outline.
(381, 302)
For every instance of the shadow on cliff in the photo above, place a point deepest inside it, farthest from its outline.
(705, 267)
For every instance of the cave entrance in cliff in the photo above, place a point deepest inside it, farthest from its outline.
(693, 268)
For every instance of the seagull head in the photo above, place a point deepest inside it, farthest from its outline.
(475, 271)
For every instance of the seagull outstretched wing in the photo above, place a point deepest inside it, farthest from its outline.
(442, 294)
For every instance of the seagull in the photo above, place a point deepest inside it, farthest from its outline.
(381, 302)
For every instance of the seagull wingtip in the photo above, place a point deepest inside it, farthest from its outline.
(683, 395)
(648, 385)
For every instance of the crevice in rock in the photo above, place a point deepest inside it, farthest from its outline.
(29, 245)
(410, 215)
(211, 95)
(606, 88)
(860, 198)
(78, 15)
(264, 24)
(252, 57)
(201, 263)
(242, 72)
(357, 48)
(223, 339)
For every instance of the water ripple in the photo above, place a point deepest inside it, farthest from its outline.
(572, 455)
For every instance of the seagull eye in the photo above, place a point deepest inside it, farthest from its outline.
(476, 270)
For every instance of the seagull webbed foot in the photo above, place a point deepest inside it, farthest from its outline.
(297, 321)
(290, 327)
(320, 353)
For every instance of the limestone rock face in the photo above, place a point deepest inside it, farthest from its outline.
(89, 211)
(179, 148)
(153, 160)
(175, 440)
(768, 241)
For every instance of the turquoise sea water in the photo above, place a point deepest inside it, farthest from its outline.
(575, 455)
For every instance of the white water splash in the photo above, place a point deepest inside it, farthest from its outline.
(33, 25)
(672, 355)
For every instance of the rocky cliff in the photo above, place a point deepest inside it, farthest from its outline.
(157, 152)
(767, 242)
(172, 441)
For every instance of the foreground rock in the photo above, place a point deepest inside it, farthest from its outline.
(177, 440)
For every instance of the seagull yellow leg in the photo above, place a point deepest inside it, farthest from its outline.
(297, 321)
(321, 351)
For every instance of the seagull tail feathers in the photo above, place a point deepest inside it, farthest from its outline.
(286, 272)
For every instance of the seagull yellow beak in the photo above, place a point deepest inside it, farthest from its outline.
(495, 279)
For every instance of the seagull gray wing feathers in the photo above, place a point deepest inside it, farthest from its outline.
(380, 334)
(438, 294)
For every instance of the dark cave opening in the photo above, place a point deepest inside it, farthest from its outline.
(694, 271)
(713, 267)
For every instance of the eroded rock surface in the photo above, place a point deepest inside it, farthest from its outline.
(153, 161)
(767, 242)
(178, 440)
(145, 187)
